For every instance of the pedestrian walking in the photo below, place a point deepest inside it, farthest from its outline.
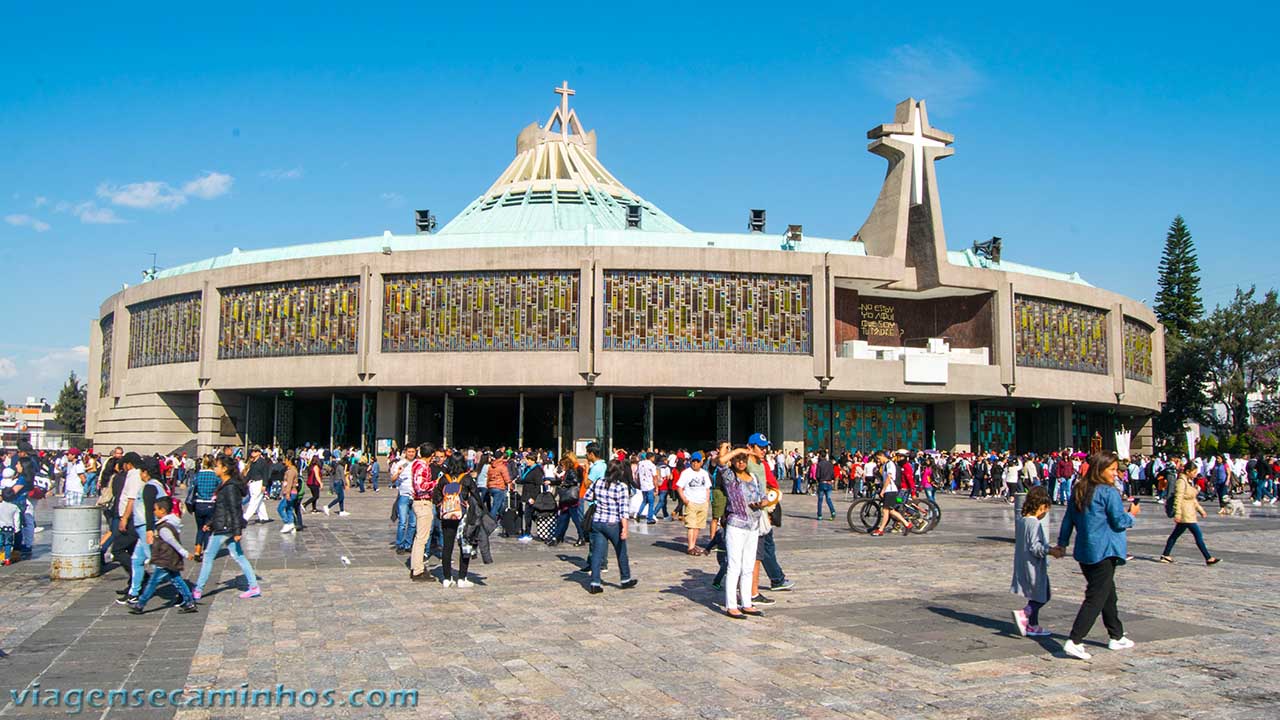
(226, 527)
(1186, 511)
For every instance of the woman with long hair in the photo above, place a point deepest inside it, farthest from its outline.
(1097, 515)
(456, 499)
(314, 475)
(205, 486)
(1186, 514)
(612, 498)
(568, 480)
(226, 526)
(288, 495)
(742, 533)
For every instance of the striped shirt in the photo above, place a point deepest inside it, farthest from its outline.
(612, 501)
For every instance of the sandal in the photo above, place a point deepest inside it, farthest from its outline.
(1213, 561)
(1166, 560)
(752, 612)
(692, 551)
(735, 615)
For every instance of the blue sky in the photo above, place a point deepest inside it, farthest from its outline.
(1079, 132)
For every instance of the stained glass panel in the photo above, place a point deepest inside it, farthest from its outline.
(108, 326)
(164, 330)
(707, 312)
(1137, 350)
(303, 317)
(1059, 335)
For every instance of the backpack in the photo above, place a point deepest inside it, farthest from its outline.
(451, 500)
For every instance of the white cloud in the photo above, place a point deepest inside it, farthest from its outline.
(209, 186)
(58, 363)
(279, 174)
(91, 214)
(939, 74)
(41, 200)
(394, 199)
(149, 195)
(27, 221)
(8, 368)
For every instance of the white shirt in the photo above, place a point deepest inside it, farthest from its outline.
(644, 473)
(696, 485)
(132, 490)
(890, 477)
(75, 477)
(403, 473)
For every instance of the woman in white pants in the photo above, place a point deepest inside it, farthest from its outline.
(742, 533)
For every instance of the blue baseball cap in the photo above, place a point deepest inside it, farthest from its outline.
(696, 457)
(759, 440)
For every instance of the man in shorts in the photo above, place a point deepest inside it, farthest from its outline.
(694, 487)
(889, 495)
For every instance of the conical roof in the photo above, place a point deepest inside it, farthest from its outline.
(556, 182)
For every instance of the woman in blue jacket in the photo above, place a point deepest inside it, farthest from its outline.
(1097, 515)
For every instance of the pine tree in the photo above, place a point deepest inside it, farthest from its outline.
(1180, 310)
(70, 410)
(1178, 303)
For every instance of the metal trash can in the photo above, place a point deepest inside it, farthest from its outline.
(76, 530)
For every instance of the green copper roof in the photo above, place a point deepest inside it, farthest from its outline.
(967, 258)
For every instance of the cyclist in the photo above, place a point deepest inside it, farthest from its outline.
(889, 495)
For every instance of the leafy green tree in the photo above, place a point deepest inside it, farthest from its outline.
(1180, 309)
(1240, 342)
(70, 410)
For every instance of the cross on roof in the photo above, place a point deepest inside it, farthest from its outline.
(918, 143)
(564, 92)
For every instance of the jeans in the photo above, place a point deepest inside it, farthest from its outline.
(1062, 491)
(647, 502)
(1177, 533)
(741, 545)
(211, 555)
(662, 505)
(497, 502)
(141, 554)
(27, 538)
(158, 576)
(296, 506)
(405, 522)
(768, 557)
(1099, 597)
(91, 483)
(1220, 489)
(285, 509)
(373, 477)
(562, 522)
(602, 535)
(929, 493)
(795, 485)
(6, 543)
(824, 492)
(341, 499)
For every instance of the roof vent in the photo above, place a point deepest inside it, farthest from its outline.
(755, 223)
(633, 216)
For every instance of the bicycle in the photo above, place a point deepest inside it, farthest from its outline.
(923, 514)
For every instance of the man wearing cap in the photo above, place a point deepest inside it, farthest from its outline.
(694, 487)
(258, 474)
(74, 479)
(767, 552)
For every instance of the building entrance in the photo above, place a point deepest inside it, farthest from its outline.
(684, 424)
(485, 422)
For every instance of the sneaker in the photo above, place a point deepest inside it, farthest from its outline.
(1037, 631)
(135, 608)
(127, 600)
(420, 577)
(1213, 561)
(628, 584)
(1256, 503)
(652, 522)
(196, 593)
(1076, 651)
(465, 583)
(326, 509)
(595, 589)
(286, 529)
(343, 513)
(187, 608)
(762, 600)
(1123, 643)
(107, 556)
(718, 585)
(877, 533)
(525, 539)
(252, 592)
(783, 586)
(833, 516)
(1166, 560)
(819, 518)
(906, 528)
(1020, 619)
(448, 583)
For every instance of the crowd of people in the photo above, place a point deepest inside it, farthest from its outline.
(450, 502)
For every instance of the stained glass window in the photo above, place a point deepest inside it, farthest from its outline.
(707, 312)
(108, 327)
(994, 429)
(1060, 335)
(474, 311)
(842, 425)
(304, 317)
(1137, 350)
(164, 330)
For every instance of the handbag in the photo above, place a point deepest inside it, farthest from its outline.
(545, 502)
(588, 515)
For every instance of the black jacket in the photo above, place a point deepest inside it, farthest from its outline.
(228, 516)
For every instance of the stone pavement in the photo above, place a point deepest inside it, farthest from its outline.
(914, 627)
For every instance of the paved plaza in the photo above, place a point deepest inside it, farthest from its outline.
(897, 627)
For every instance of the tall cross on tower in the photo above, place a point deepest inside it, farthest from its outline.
(918, 143)
(564, 92)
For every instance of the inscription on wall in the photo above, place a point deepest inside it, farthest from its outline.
(879, 321)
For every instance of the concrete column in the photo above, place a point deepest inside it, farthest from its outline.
(388, 421)
(333, 400)
(447, 430)
(790, 409)
(952, 424)
(648, 422)
(1065, 426)
(585, 420)
(1115, 349)
(1143, 441)
(219, 419)
(1002, 329)
(559, 425)
(520, 423)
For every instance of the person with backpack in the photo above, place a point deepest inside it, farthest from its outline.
(226, 526)
(167, 560)
(457, 498)
(1183, 507)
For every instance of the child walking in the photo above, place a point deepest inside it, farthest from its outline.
(10, 522)
(1031, 562)
(167, 556)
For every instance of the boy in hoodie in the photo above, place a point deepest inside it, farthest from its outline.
(167, 556)
(10, 522)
